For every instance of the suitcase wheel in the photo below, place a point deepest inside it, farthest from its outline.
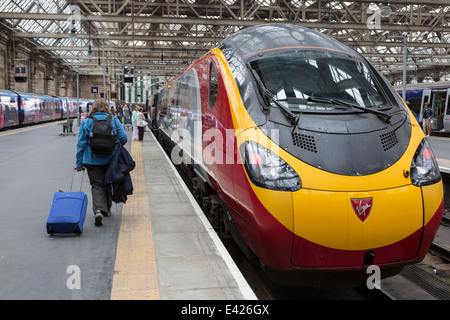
(76, 230)
(50, 231)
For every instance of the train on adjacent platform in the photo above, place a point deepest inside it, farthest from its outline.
(437, 94)
(302, 152)
(23, 108)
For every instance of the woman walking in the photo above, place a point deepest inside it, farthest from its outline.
(97, 161)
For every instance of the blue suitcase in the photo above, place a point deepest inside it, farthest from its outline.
(68, 212)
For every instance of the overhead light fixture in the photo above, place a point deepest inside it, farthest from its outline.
(99, 66)
(89, 46)
(385, 9)
(89, 51)
(73, 32)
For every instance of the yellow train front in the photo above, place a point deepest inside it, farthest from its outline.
(338, 174)
(320, 167)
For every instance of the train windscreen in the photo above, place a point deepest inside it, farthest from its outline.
(310, 80)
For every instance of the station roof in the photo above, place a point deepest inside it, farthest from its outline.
(161, 38)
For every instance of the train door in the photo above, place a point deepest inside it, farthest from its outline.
(14, 110)
(21, 109)
(30, 109)
(426, 97)
(36, 109)
(53, 109)
(5, 115)
(447, 112)
(438, 100)
(70, 107)
(65, 108)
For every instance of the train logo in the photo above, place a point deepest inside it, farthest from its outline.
(362, 207)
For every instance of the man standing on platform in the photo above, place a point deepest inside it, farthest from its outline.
(426, 122)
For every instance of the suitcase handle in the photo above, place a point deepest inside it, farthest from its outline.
(73, 176)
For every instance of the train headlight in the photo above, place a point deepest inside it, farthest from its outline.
(424, 168)
(267, 170)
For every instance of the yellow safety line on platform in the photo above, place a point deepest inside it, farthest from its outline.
(135, 274)
(443, 160)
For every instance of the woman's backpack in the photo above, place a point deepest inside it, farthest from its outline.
(102, 137)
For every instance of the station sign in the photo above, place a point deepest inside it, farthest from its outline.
(94, 89)
(128, 71)
(21, 70)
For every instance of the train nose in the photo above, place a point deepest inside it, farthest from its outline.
(347, 228)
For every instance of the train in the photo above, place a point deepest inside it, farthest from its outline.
(437, 94)
(298, 149)
(23, 108)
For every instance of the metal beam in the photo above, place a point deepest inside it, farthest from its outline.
(424, 44)
(217, 22)
(117, 37)
(124, 48)
(137, 58)
(410, 2)
(236, 6)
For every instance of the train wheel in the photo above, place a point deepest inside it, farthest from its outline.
(197, 190)
(214, 211)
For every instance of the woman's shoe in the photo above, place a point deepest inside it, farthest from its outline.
(98, 218)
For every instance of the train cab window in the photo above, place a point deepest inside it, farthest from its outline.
(295, 76)
(213, 86)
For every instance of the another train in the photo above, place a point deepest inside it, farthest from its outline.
(302, 152)
(437, 94)
(22, 108)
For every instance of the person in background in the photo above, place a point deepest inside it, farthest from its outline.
(126, 112)
(141, 123)
(133, 122)
(120, 114)
(426, 121)
(97, 163)
(147, 117)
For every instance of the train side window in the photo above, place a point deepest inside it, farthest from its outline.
(213, 86)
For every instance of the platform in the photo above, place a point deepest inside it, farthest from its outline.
(156, 246)
(441, 148)
(191, 262)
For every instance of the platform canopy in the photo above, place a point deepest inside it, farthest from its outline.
(162, 38)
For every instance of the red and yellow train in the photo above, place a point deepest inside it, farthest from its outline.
(305, 154)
